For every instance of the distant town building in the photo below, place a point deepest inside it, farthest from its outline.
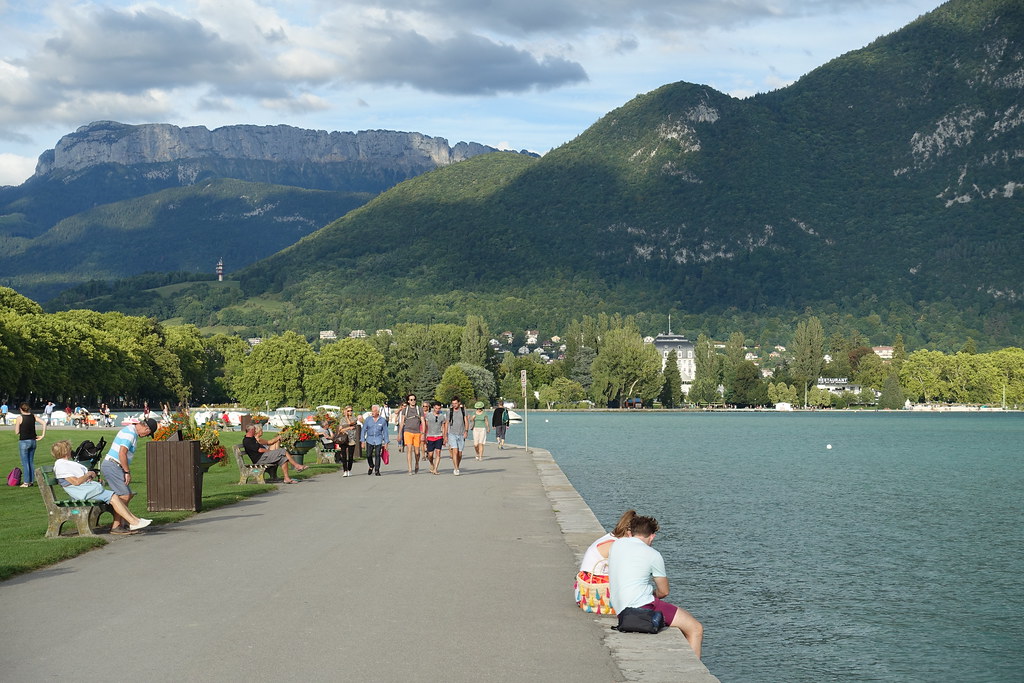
(384, 332)
(556, 339)
(531, 337)
(523, 350)
(648, 340)
(837, 385)
(253, 341)
(883, 352)
(683, 347)
(751, 356)
(507, 336)
(328, 335)
(357, 334)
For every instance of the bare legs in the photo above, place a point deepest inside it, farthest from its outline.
(692, 629)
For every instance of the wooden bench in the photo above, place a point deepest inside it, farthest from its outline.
(327, 452)
(84, 513)
(247, 470)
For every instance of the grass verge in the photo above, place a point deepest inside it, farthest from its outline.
(23, 543)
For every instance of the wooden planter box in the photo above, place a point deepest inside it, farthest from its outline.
(174, 478)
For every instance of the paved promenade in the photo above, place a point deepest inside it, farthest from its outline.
(391, 578)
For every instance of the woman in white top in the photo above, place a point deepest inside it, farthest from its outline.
(80, 484)
(593, 570)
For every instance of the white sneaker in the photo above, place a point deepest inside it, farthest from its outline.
(143, 523)
(456, 473)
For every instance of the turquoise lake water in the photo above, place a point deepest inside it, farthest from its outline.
(896, 555)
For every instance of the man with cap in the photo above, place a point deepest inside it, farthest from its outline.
(116, 465)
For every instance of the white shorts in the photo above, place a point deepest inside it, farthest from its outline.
(479, 436)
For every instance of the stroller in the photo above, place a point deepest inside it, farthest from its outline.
(89, 453)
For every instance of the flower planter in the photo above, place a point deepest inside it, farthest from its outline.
(299, 449)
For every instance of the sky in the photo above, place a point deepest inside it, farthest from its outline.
(515, 74)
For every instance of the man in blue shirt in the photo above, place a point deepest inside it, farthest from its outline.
(375, 437)
(636, 578)
(116, 465)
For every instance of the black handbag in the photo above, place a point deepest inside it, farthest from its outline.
(640, 620)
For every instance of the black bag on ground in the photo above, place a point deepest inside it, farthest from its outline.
(640, 620)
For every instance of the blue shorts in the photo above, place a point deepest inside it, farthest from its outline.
(456, 442)
(434, 444)
(91, 490)
(114, 476)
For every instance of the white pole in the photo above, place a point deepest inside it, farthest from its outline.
(526, 412)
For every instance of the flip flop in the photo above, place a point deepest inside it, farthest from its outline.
(292, 481)
(121, 531)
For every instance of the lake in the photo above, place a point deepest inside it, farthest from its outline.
(896, 555)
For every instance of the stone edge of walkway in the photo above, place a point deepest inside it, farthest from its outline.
(664, 657)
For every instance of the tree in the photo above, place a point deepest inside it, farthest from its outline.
(808, 351)
(475, 341)
(275, 372)
(871, 372)
(899, 353)
(347, 372)
(921, 375)
(892, 397)
(672, 389)
(581, 367)
(625, 367)
(454, 382)
(482, 380)
(747, 388)
(567, 391)
(705, 382)
(548, 395)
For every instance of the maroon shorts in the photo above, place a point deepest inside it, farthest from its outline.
(667, 609)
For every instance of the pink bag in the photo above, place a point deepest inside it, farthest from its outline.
(384, 454)
(14, 478)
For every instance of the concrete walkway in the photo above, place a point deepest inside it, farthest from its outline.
(391, 578)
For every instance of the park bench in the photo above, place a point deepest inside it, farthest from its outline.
(327, 451)
(84, 513)
(247, 470)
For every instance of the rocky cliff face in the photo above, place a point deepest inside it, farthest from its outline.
(370, 160)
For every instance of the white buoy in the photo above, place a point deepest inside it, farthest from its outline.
(545, 419)
(828, 446)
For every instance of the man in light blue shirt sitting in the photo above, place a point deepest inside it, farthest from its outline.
(636, 578)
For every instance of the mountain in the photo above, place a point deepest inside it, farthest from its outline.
(885, 187)
(92, 175)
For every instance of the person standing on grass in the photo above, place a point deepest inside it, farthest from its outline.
(374, 439)
(458, 431)
(48, 412)
(80, 483)
(25, 428)
(3, 412)
(636, 578)
(117, 464)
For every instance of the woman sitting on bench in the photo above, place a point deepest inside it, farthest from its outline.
(80, 484)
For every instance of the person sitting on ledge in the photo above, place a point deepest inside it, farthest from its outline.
(261, 453)
(636, 574)
(80, 484)
(595, 558)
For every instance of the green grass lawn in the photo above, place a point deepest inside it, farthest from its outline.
(23, 544)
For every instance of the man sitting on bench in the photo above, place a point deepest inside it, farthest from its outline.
(80, 484)
(260, 452)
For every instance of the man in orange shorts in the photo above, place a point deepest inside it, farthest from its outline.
(411, 424)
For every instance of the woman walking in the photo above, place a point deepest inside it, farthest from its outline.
(25, 427)
(481, 425)
(347, 437)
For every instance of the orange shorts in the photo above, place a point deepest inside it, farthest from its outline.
(414, 439)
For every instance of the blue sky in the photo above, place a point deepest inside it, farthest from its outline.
(522, 74)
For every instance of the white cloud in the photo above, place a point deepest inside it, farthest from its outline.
(14, 169)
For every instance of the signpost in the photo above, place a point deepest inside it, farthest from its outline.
(526, 417)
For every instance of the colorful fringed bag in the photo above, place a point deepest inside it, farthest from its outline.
(591, 590)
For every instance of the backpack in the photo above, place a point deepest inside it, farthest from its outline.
(14, 478)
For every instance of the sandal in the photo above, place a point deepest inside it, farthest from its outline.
(122, 531)
(292, 481)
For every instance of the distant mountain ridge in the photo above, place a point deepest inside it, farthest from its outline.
(110, 142)
(885, 184)
(113, 164)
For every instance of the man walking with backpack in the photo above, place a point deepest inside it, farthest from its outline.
(411, 424)
(458, 432)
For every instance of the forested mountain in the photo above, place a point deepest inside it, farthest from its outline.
(885, 186)
(80, 199)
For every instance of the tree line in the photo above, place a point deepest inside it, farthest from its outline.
(90, 357)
